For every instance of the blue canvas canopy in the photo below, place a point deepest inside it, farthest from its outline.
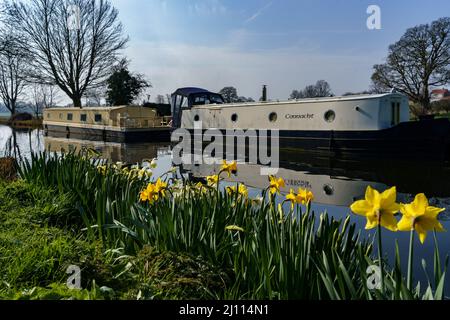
(186, 92)
(185, 98)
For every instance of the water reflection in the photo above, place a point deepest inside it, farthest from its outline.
(20, 143)
(123, 152)
(335, 182)
(340, 183)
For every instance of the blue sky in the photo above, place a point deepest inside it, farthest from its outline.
(285, 44)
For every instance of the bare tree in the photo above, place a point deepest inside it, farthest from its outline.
(94, 96)
(74, 43)
(323, 89)
(418, 61)
(320, 89)
(13, 66)
(160, 99)
(49, 95)
(42, 97)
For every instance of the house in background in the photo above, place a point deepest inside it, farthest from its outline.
(440, 94)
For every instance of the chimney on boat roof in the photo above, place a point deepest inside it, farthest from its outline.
(264, 94)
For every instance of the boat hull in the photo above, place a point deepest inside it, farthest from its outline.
(106, 135)
(420, 140)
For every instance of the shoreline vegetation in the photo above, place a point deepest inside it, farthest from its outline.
(35, 123)
(136, 237)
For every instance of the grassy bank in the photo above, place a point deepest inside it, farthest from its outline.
(137, 238)
(41, 236)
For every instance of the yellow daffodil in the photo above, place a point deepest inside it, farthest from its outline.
(153, 192)
(241, 190)
(234, 228)
(149, 194)
(306, 196)
(379, 209)
(276, 184)
(199, 185)
(161, 187)
(229, 168)
(102, 170)
(303, 196)
(421, 217)
(292, 197)
(200, 188)
(143, 196)
(212, 180)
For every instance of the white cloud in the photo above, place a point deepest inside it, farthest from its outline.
(170, 66)
(258, 12)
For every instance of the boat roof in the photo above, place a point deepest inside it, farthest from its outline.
(309, 100)
(93, 108)
(190, 90)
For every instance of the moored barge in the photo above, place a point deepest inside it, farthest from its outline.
(366, 125)
(110, 124)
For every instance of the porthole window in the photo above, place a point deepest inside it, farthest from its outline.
(197, 118)
(273, 117)
(329, 190)
(234, 117)
(330, 116)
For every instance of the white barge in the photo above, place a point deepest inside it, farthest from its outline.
(366, 124)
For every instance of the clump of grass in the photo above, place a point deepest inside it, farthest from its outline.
(8, 169)
(168, 275)
(35, 254)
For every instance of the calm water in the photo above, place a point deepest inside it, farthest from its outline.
(335, 183)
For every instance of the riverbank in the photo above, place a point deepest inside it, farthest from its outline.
(41, 238)
(30, 124)
(135, 237)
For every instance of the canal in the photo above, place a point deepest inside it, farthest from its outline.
(336, 183)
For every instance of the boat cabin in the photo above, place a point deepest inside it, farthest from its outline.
(353, 113)
(185, 98)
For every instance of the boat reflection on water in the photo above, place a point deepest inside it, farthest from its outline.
(336, 182)
(124, 152)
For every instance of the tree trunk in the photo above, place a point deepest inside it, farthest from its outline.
(77, 102)
(11, 107)
(426, 99)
